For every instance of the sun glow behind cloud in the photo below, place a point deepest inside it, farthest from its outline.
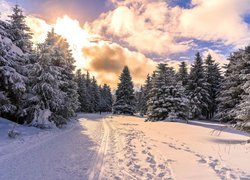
(104, 59)
(70, 29)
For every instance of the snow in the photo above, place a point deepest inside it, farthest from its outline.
(13, 48)
(125, 147)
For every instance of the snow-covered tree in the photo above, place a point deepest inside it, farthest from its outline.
(19, 32)
(106, 98)
(197, 89)
(235, 95)
(125, 98)
(213, 80)
(166, 98)
(182, 75)
(47, 95)
(95, 94)
(12, 82)
(82, 91)
(144, 96)
(232, 86)
(53, 81)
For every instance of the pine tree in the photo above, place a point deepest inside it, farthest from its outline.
(106, 95)
(231, 88)
(243, 109)
(54, 83)
(125, 98)
(198, 94)
(182, 75)
(213, 80)
(95, 94)
(82, 91)
(47, 95)
(89, 103)
(19, 32)
(165, 95)
(144, 96)
(239, 110)
(12, 82)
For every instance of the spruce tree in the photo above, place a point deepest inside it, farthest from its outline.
(182, 75)
(106, 95)
(197, 89)
(213, 80)
(234, 97)
(12, 81)
(95, 94)
(166, 98)
(231, 89)
(82, 91)
(125, 98)
(19, 32)
(144, 96)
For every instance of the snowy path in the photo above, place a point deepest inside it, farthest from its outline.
(125, 147)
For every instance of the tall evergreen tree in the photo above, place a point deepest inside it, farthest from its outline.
(12, 81)
(165, 97)
(231, 88)
(19, 32)
(213, 80)
(182, 75)
(54, 83)
(95, 94)
(144, 96)
(106, 95)
(125, 98)
(82, 91)
(197, 89)
(234, 97)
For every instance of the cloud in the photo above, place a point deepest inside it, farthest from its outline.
(147, 26)
(6, 9)
(108, 59)
(213, 20)
(39, 28)
(217, 57)
(154, 27)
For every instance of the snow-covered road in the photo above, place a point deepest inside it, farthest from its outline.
(126, 147)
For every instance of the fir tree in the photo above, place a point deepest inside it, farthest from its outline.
(19, 32)
(125, 98)
(82, 91)
(197, 89)
(213, 80)
(144, 96)
(231, 88)
(234, 100)
(165, 99)
(182, 75)
(106, 95)
(12, 81)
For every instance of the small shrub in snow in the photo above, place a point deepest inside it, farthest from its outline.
(13, 133)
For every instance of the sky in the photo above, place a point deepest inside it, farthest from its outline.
(105, 35)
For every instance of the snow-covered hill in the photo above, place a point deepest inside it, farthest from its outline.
(126, 147)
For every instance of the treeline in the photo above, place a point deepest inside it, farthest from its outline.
(203, 93)
(39, 85)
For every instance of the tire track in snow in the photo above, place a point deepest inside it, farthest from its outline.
(97, 167)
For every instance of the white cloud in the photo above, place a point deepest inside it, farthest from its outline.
(213, 20)
(153, 26)
(217, 57)
(148, 26)
(5, 8)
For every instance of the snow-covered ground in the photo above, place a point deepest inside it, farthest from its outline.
(125, 147)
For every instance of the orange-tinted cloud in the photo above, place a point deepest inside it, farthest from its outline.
(108, 59)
